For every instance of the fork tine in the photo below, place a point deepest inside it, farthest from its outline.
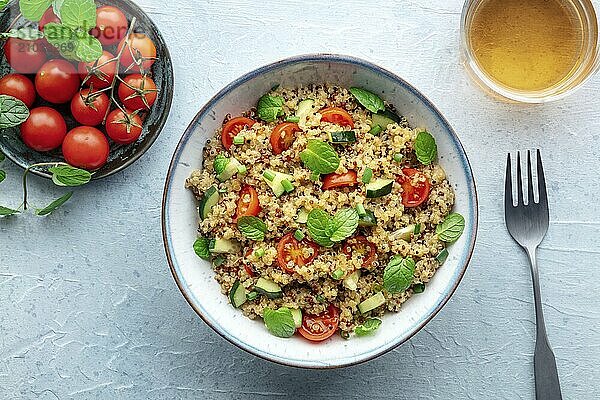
(542, 196)
(519, 181)
(508, 191)
(529, 179)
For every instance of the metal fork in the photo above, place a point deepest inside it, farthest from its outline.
(527, 223)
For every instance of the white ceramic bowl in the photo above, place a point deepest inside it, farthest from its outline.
(195, 276)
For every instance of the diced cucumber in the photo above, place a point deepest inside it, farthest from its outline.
(209, 199)
(268, 288)
(442, 256)
(384, 118)
(360, 209)
(375, 130)
(404, 233)
(367, 175)
(368, 219)
(237, 294)
(351, 281)
(305, 108)
(276, 182)
(230, 170)
(224, 246)
(379, 187)
(342, 137)
(371, 303)
(302, 216)
(297, 315)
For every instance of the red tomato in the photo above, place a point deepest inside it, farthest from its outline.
(248, 203)
(111, 25)
(415, 187)
(123, 128)
(85, 147)
(331, 181)
(232, 128)
(317, 328)
(299, 253)
(101, 72)
(141, 49)
(44, 130)
(89, 109)
(247, 267)
(336, 115)
(360, 246)
(25, 56)
(134, 89)
(57, 81)
(18, 86)
(48, 17)
(283, 136)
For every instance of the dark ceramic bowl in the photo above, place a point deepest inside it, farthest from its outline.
(121, 156)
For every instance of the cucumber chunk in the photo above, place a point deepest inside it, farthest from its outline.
(342, 137)
(442, 256)
(237, 294)
(371, 303)
(232, 168)
(351, 281)
(208, 201)
(297, 315)
(368, 219)
(404, 233)
(379, 187)
(275, 181)
(302, 217)
(268, 288)
(384, 118)
(224, 246)
(305, 108)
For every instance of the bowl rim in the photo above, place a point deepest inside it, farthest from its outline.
(143, 149)
(316, 57)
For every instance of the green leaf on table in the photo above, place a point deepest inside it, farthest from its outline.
(13, 111)
(270, 107)
(5, 211)
(279, 322)
(34, 9)
(425, 148)
(318, 225)
(65, 175)
(368, 100)
(78, 14)
(343, 224)
(50, 208)
(201, 248)
(252, 227)
(451, 228)
(88, 48)
(367, 327)
(398, 274)
(2, 175)
(320, 157)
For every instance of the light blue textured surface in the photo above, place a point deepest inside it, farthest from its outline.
(89, 307)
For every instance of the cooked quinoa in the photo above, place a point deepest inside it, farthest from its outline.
(319, 283)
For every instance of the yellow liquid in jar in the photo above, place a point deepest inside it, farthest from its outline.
(527, 45)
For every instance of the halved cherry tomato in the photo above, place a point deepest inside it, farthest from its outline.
(415, 187)
(248, 204)
(317, 328)
(232, 128)
(331, 181)
(283, 136)
(289, 249)
(247, 267)
(336, 115)
(360, 246)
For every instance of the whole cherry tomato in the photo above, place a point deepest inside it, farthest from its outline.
(89, 108)
(57, 81)
(141, 50)
(111, 25)
(85, 147)
(123, 128)
(25, 56)
(48, 17)
(100, 73)
(134, 89)
(44, 129)
(18, 86)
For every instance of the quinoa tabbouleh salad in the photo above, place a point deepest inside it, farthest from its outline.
(321, 209)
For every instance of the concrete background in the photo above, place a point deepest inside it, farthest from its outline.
(88, 307)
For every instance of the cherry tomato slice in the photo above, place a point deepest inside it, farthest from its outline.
(331, 181)
(317, 328)
(232, 128)
(248, 204)
(360, 246)
(415, 187)
(336, 115)
(247, 267)
(290, 250)
(283, 136)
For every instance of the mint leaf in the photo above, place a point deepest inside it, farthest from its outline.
(50, 208)
(56, 5)
(201, 248)
(343, 224)
(88, 48)
(398, 275)
(425, 148)
(34, 9)
(320, 157)
(3, 4)
(367, 99)
(252, 228)
(220, 163)
(280, 322)
(5, 211)
(78, 14)
(25, 33)
(65, 175)
(318, 226)
(367, 327)
(2, 175)
(270, 107)
(63, 38)
(13, 111)
(451, 228)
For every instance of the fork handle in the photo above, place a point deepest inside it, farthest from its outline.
(547, 384)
